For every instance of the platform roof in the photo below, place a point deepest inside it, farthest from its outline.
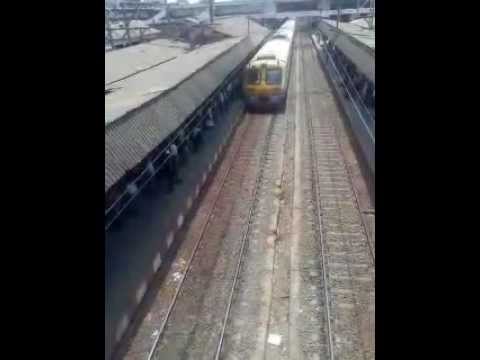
(146, 107)
(124, 62)
(360, 33)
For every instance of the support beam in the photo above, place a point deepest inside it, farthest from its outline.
(211, 10)
(324, 5)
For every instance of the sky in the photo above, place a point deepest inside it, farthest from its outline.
(194, 1)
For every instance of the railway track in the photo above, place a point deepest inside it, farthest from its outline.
(347, 256)
(309, 281)
(199, 327)
(248, 333)
(246, 234)
(326, 68)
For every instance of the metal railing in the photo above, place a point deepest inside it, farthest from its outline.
(362, 121)
(216, 103)
(364, 112)
(212, 109)
(128, 38)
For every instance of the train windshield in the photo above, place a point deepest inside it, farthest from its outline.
(273, 76)
(253, 76)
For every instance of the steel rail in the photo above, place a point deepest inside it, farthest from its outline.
(316, 195)
(246, 235)
(192, 256)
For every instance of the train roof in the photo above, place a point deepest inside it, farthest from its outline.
(275, 51)
(283, 34)
(286, 31)
(272, 53)
(288, 24)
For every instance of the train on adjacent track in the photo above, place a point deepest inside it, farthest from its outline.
(265, 80)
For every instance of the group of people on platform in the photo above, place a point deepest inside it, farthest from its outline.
(182, 146)
(186, 140)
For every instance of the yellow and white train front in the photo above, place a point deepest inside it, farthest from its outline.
(264, 85)
(266, 76)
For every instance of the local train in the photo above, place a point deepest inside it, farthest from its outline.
(266, 76)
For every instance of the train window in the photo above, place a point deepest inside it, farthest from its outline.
(274, 76)
(253, 76)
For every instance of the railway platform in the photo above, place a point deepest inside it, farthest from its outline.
(355, 41)
(348, 54)
(156, 94)
(147, 100)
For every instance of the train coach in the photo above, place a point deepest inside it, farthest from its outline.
(266, 76)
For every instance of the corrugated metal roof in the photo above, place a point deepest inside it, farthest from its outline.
(141, 113)
(124, 62)
(236, 26)
(135, 91)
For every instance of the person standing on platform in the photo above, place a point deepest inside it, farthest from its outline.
(184, 144)
(196, 138)
(172, 166)
(210, 123)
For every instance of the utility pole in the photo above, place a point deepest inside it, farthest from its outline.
(373, 15)
(127, 29)
(210, 10)
(338, 15)
(109, 29)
